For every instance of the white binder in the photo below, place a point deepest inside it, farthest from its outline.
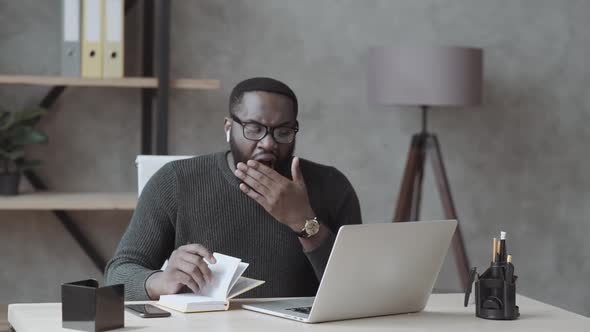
(70, 37)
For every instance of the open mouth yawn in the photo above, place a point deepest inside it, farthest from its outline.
(267, 159)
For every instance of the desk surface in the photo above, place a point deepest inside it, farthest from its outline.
(444, 312)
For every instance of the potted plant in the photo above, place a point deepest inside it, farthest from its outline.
(16, 133)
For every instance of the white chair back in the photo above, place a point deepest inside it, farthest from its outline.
(147, 165)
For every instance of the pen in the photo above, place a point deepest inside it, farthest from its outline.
(509, 270)
(494, 249)
(502, 247)
(497, 250)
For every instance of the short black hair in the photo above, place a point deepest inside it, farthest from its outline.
(266, 84)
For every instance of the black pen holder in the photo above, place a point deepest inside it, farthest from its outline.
(495, 293)
(87, 307)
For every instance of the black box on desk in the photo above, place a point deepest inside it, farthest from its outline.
(87, 307)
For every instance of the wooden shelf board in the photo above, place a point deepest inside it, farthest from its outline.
(126, 82)
(69, 201)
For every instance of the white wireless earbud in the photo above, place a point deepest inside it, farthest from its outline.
(227, 136)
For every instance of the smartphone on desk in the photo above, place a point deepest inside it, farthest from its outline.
(147, 310)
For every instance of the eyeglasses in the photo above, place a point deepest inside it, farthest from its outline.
(255, 131)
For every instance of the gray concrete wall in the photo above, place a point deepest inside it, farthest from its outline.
(517, 163)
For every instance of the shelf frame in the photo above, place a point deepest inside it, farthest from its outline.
(163, 74)
(151, 88)
(124, 82)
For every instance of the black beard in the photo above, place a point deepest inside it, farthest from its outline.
(282, 166)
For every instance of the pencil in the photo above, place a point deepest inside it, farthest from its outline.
(494, 250)
(503, 247)
(509, 270)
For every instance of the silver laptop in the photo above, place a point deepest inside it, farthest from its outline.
(373, 270)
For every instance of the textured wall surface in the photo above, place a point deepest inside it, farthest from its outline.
(516, 163)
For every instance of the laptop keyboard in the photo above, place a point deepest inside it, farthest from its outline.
(303, 310)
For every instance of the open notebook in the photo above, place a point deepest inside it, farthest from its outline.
(227, 284)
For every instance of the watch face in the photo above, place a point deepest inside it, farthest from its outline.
(312, 227)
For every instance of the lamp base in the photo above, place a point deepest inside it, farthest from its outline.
(426, 145)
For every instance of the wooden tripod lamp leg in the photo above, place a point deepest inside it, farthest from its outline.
(448, 206)
(406, 193)
(418, 179)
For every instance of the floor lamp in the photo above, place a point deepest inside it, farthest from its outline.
(425, 77)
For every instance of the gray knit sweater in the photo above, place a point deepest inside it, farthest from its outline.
(198, 200)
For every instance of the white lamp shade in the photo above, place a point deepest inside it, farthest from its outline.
(425, 76)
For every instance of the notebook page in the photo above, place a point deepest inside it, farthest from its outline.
(243, 285)
(223, 272)
(241, 268)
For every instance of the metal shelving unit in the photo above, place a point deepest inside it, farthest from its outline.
(155, 85)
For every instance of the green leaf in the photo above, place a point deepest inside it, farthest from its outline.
(16, 132)
(23, 117)
(28, 114)
(12, 155)
(28, 135)
(6, 120)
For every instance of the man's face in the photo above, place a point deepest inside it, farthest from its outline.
(268, 109)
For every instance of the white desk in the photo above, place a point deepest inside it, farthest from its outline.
(444, 312)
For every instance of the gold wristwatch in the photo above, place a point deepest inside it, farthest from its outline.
(311, 228)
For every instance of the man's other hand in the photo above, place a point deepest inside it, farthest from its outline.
(186, 267)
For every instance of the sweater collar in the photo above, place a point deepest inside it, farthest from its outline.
(221, 161)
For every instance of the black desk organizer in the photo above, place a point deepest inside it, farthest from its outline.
(495, 292)
(87, 307)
